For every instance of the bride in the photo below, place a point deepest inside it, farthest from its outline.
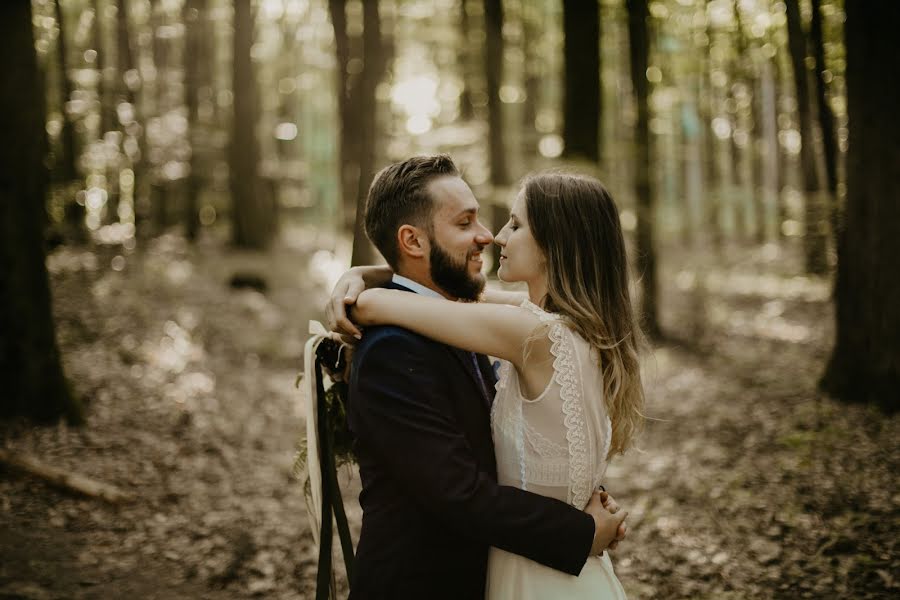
(569, 395)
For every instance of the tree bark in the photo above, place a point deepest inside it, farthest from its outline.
(373, 69)
(34, 384)
(194, 12)
(493, 26)
(865, 363)
(464, 65)
(826, 116)
(107, 120)
(68, 170)
(814, 239)
(581, 107)
(639, 49)
(253, 211)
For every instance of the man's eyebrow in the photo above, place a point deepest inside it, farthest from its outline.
(466, 211)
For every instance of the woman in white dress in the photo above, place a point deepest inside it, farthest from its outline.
(569, 395)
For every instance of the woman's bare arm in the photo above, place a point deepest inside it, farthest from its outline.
(503, 297)
(494, 329)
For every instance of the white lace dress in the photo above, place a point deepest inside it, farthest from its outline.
(554, 445)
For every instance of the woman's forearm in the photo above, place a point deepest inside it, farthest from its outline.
(503, 297)
(374, 275)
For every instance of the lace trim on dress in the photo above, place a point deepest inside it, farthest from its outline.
(565, 367)
(565, 372)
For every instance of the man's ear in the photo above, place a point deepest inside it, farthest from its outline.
(412, 242)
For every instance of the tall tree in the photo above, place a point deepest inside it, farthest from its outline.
(814, 239)
(464, 64)
(865, 363)
(107, 119)
(639, 51)
(253, 210)
(357, 109)
(373, 69)
(581, 107)
(194, 11)
(34, 384)
(68, 169)
(826, 116)
(493, 26)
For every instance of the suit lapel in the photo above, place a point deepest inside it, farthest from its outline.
(465, 358)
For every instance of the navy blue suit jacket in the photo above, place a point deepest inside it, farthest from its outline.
(430, 499)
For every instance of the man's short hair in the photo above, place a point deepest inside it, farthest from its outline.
(398, 196)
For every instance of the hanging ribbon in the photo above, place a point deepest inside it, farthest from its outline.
(324, 500)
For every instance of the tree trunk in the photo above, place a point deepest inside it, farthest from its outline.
(373, 68)
(814, 238)
(464, 65)
(581, 107)
(639, 49)
(349, 135)
(68, 170)
(107, 121)
(708, 106)
(865, 363)
(34, 384)
(826, 117)
(253, 211)
(194, 10)
(125, 92)
(493, 26)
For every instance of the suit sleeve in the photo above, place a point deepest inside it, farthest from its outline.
(407, 419)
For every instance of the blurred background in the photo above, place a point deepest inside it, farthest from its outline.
(182, 181)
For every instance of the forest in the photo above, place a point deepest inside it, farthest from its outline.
(183, 181)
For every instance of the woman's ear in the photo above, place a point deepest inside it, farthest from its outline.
(412, 242)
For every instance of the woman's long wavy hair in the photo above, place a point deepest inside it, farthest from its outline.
(576, 224)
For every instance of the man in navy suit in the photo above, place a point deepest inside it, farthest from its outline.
(420, 413)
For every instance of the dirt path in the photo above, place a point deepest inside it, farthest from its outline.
(749, 485)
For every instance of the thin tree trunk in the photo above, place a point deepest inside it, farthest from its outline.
(194, 12)
(107, 120)
(826, 117)
(253, 214)
(493, 25)
(865, 363)
(814, 237)
(349, 135)
(373, 68)
(643, 182)
(464, 65)
(34, 383)
(581, 107)
(68, 170)
(708, 111)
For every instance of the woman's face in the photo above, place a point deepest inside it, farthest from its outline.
(520, 257)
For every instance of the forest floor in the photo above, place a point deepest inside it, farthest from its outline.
(749, 482)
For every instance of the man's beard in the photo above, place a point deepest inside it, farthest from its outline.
(452, 276)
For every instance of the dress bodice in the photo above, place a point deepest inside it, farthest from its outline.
(557, 443)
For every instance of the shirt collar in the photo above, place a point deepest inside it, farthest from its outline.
(416, 287)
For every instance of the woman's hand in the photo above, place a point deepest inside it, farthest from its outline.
(346, 291)
(609, 528)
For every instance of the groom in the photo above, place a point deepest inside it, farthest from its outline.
(420, 413)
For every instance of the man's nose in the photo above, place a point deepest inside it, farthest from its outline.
(484, 236)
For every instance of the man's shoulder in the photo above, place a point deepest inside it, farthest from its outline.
(394, 338)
